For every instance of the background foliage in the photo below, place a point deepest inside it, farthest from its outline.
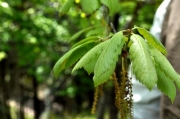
(33, 35)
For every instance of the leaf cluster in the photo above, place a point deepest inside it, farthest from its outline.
(150, 65)
(147, 56)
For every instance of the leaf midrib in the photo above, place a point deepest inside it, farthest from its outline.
(144, 54)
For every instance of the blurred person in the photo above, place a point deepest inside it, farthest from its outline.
(146, 104)
(170, 37)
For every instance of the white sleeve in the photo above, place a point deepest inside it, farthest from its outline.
(158, 19)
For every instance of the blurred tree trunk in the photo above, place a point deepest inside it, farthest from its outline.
(101, 107)
(37, 105)
(106, 101)
(4, 97)
(22, 102)
(113, 111)
(15, 80)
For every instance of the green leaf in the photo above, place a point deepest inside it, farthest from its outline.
(5, 8)
(165, 84)
(152, 40)
(76, 35)
(111, 4)
(65, 8)
(98, 31)
(89, 60)
(165, 65)
(143, 67)
(91, 38)
(107, 60)
(72, 56)
(89, 6)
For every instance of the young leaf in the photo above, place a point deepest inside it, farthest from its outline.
(89, 60)
(76, 35)
(71, 57)
(91, 38)
(89, 6)
(152, 40)
(111, 4)
(65, 8)
(165, 84)
(5, 8)
(106, 62)
(98, 31)
(164, 65)
(143, 67)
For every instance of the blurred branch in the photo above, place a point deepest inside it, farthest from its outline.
(130, 24)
